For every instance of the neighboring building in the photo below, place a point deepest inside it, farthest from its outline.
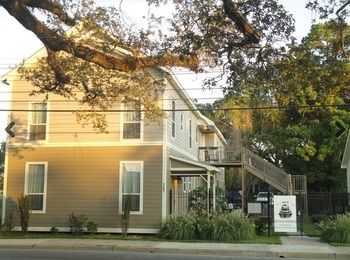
(345, 164)
(64, 167)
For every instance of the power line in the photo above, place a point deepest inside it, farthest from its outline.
(81, 91)
(180, 110)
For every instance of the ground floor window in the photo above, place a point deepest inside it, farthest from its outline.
(131, 186)
(35, 185)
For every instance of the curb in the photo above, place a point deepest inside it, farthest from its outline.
(275, 251)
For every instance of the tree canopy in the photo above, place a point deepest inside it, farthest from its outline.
(199, 35)
(306, 94)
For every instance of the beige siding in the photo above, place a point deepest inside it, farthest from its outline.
(86, 181)
(63, 126)
(181, 140)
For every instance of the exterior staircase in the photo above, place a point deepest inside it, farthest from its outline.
(230, 156)
(267, 171)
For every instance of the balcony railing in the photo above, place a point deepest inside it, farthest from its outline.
(239, 156)
(220, 155)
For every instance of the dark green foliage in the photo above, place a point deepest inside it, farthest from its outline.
(8, 225)
(227, 227)
(232, 227)
(317, 219)
(91, 227)
(204, 228)
(260, 226)
(179, 228)
(337, 230)
(54, 230)
(198, 200)
(77, 223)
(23, 208)
(125, 217)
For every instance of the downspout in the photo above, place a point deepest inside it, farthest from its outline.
(214, 193)
(208, 193)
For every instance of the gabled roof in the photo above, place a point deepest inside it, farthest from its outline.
(346, 155)
(181, 91)
(169, 75)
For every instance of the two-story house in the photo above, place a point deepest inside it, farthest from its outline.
(345, 164)
(64, 167)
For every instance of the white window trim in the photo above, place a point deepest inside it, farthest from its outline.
(29, 122)
(122, 115)
(45, 184)
(140, 212)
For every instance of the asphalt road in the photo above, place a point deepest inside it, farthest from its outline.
(36, 254)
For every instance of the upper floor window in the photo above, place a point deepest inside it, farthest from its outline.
(37, 121)
(132, 120)
(173, 118)
(131, 186)
(35, 185)
(190, 134)
(182, 121)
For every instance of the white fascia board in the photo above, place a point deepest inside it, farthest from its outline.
(346, 155)
(177, 85)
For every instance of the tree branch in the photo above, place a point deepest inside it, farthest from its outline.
(51, 7)
(56, 42)
(342, 7)
(231, 10)
(342, 24)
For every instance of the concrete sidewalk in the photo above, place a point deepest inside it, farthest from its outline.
(292, 247)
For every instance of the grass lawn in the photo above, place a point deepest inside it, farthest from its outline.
(274, 239)
(340, 244)
(310, 229)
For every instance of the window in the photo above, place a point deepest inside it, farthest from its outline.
(182, 121)
(35, 185)
(132, 120)
(173, 118)
(190, 134)
(37, 121)
(187, 184)
(131, 186)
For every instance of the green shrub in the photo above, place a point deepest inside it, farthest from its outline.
(125, 216)
(91, 227)
(204, 228)
(317, 219)
(54, 230)
(77, 223)
(8, 225)
(198, 200)
(232, 227)
(23, 207)
(179, 228)
(260, 226)
(337, 230)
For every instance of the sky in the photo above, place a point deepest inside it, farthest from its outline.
(17, 43)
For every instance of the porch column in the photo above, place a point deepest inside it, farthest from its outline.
(214, 193)
(208, 193)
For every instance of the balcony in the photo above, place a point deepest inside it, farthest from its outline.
(221, 156)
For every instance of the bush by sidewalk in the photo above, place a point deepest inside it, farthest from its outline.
(337, 230)
(225, 227)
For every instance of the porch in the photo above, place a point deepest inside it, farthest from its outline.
(204, 175)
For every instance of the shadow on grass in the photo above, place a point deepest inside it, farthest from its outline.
(264, 239)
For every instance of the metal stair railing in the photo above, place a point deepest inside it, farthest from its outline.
(272, 174)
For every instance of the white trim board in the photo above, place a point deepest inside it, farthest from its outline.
(86, 144)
